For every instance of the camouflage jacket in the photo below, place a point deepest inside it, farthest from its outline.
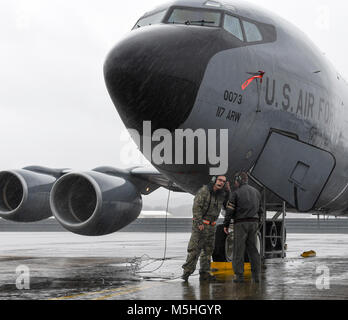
(208, 204)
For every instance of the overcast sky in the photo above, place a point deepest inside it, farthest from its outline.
(55, 110)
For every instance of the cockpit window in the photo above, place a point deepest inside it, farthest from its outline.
(206, 18)
(252, 32)
(232, 25)
(155, 18)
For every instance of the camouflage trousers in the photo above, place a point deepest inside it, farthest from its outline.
(201, 245)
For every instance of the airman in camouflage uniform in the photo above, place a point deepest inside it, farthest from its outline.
(206, 210)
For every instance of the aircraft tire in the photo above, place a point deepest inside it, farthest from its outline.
(219, 254)
(223, 251)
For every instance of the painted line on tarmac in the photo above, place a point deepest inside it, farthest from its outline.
(91, 293)
(121, 293)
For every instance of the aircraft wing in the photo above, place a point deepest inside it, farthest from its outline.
(90, 203)
(154, 177)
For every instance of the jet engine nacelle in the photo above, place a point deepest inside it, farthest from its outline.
(24, 195)
(95, 204)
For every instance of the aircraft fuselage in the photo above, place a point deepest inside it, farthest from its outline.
(190, 77)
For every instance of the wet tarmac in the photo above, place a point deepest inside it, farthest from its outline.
(129, 266)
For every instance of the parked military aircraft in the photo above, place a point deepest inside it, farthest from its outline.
(200, 64)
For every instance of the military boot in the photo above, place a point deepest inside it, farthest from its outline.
(185, 276)
(206, 276)
(256, 278)
(239, 279)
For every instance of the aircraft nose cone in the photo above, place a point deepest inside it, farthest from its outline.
(154, 74)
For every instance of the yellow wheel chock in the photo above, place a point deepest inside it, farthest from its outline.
(309, 254)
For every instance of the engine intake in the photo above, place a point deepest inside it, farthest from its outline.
(94, 204)
(24, 195)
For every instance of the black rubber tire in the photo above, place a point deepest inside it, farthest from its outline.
(271, 225)
(279, 230)
(277, 246)
(219, 254)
